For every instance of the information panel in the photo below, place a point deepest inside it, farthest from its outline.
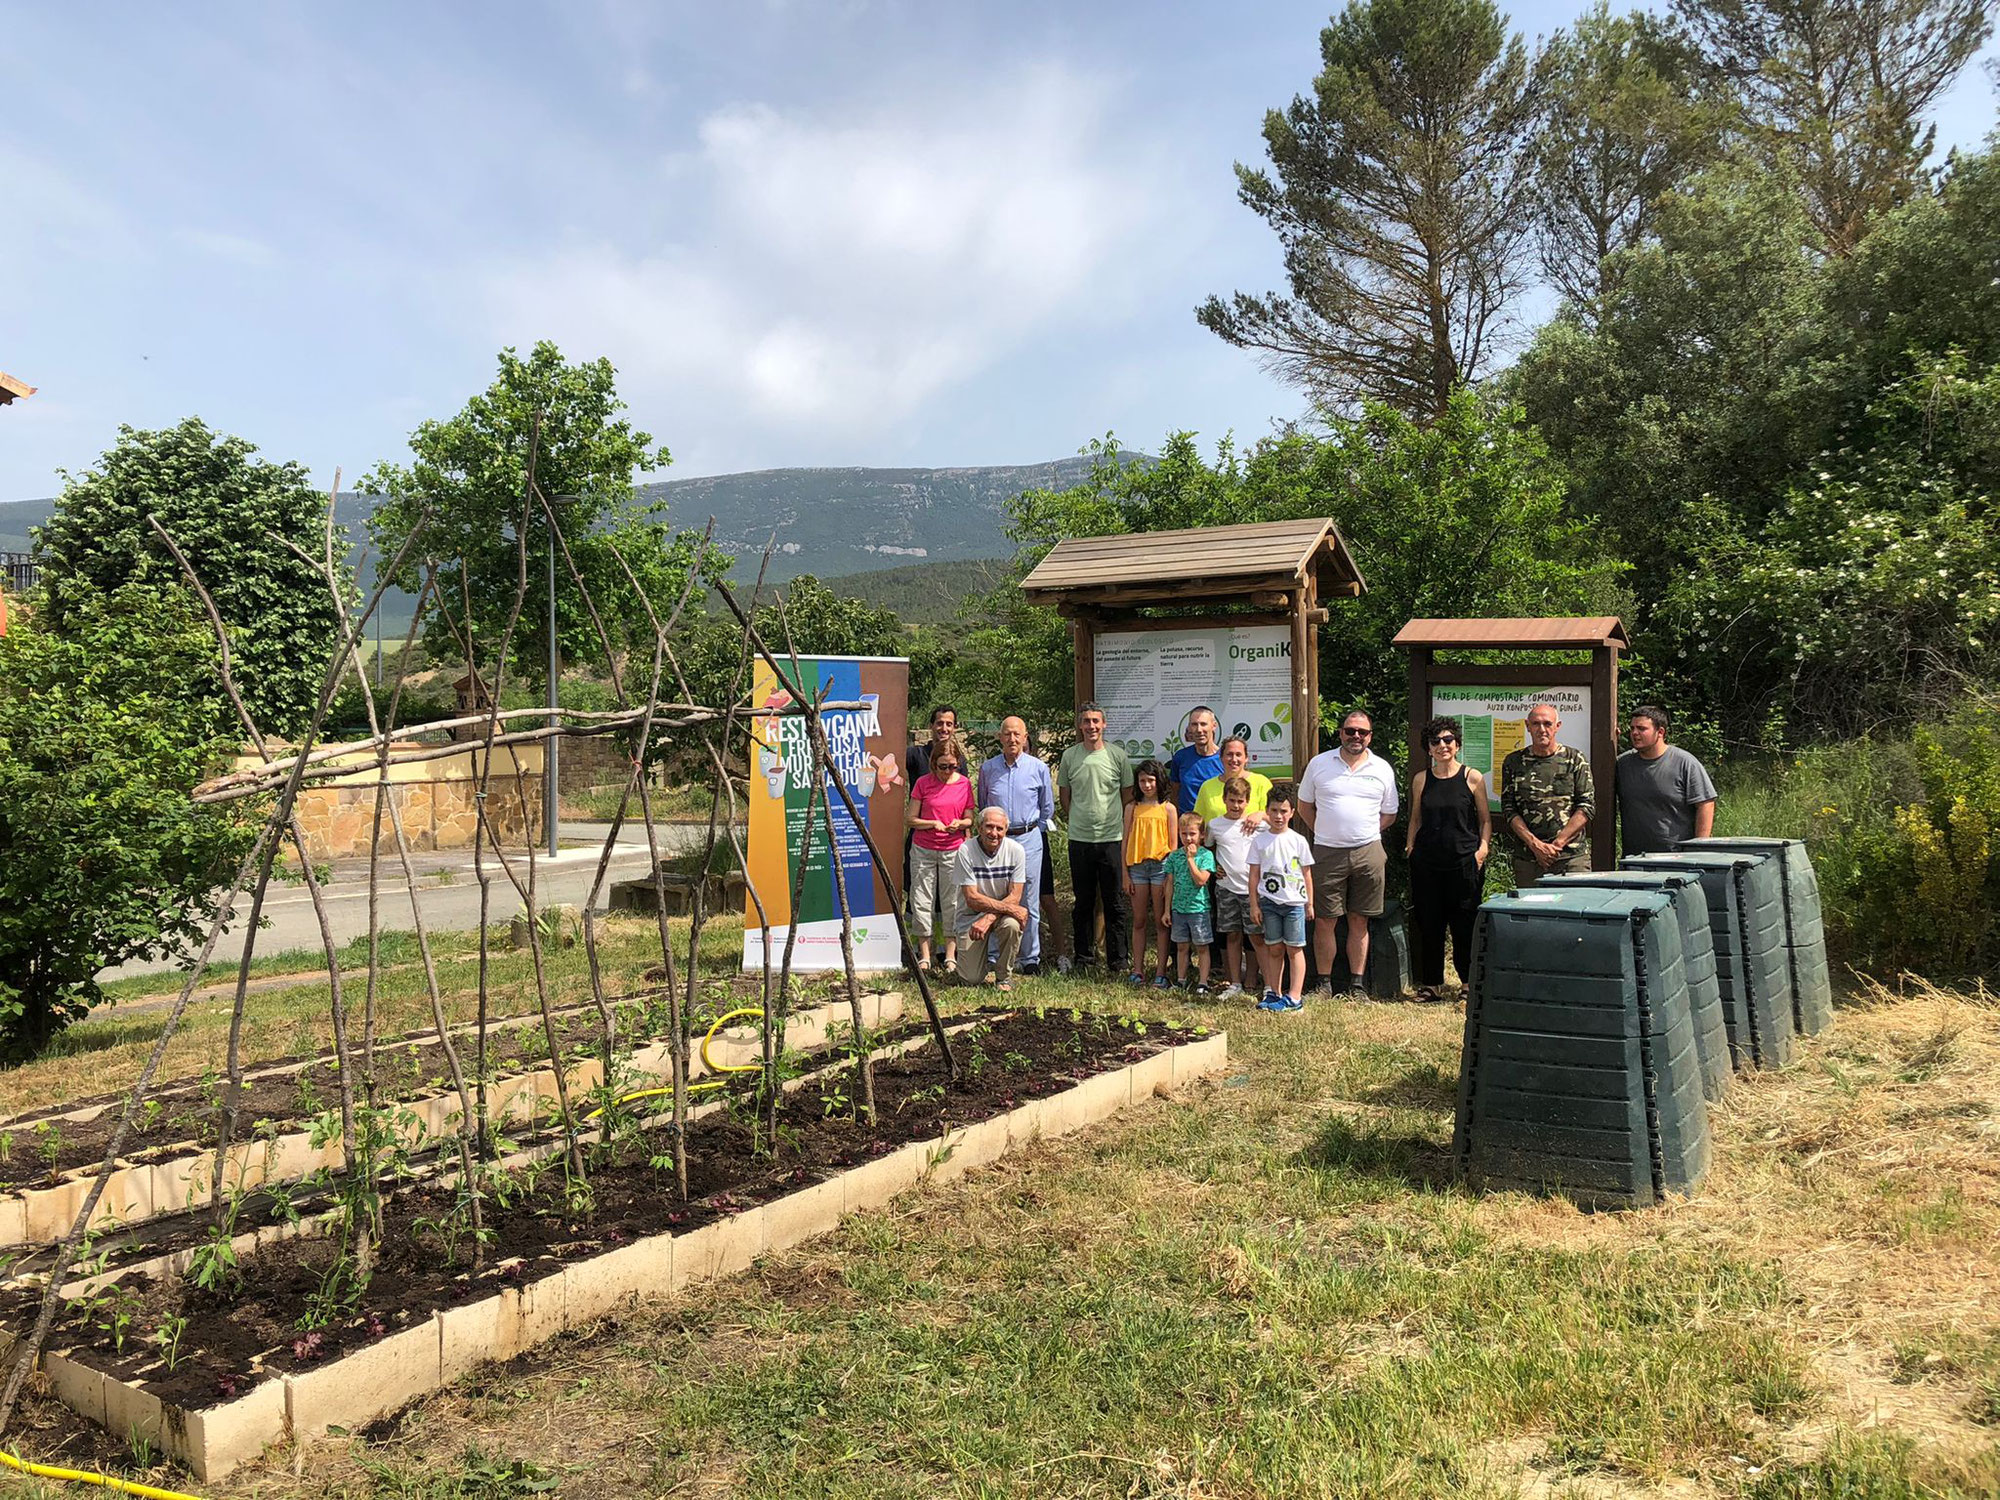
(1149, 681)
(1495, 720)
(865, 745)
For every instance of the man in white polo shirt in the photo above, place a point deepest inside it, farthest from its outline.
(1348, 797)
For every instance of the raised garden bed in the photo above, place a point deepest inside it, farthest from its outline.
(169, 1171)
(273, 1360)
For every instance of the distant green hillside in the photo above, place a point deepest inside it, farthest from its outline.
(840, 524)
(923, 593)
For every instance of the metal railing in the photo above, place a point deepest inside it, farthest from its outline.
(19, 571)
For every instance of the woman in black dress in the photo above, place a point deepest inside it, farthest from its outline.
(1451, 832)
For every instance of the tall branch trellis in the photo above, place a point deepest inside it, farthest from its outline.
(644, 720)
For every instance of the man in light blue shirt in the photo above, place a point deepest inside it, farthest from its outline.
(1019, 785)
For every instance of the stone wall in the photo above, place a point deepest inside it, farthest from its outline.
(437, 800)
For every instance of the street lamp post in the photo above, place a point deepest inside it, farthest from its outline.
(551, 790)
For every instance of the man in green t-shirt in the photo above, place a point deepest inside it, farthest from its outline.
(1093, 789)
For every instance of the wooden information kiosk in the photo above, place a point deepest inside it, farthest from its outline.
(1491, 700)
(1224, 615)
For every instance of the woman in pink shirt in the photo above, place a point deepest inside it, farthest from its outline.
(940, 815)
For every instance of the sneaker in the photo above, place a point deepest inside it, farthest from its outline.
(1322, 990)
(1357, 984)
(1161, 982)
(1135, 977)
(1272, 1001)
(1005, 986)
(1030, 971)
(1229, 992)
(1289, 1005)
(1202, 992)
(1063, 964)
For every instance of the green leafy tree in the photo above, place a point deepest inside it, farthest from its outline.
(1792, 448)
(1460, 516)
(232, 514)
(467, 486)
(1838, 90)
(1872, 594)
(105, 727)
(1701, 376)
(1629, 111)
(1399, 191)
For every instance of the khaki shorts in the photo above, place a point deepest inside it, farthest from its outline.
(1349, 880)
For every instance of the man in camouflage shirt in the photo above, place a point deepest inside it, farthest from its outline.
(1547, 801)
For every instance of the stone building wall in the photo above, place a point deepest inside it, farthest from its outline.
(437, 800)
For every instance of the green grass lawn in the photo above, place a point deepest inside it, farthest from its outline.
(1266, 1285)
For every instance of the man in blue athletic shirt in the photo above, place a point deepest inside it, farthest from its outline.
(1196, 761)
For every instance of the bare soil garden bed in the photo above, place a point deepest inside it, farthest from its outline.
(279, 1318)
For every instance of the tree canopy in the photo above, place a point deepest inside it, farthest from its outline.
(232, 514)
(1398, 191)
(1836, 92)
(1629, 110)
(465, 497)
(105, 727)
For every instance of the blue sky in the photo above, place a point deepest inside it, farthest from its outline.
(806, 234)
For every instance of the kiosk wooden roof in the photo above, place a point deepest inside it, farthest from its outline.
(1582, 633)
(1199, 565)
(1262, 573)
(12, 390)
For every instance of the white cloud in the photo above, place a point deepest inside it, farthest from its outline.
(827, 278)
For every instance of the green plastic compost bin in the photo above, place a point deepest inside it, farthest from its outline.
(1805, 928)
(1580, 1073)
(1746, 912)
(1711, 1034)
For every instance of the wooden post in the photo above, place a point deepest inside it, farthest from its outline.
(1083, 640)
(1305, 711)
(1420, 707)
(1306, 748)
(1604, 755)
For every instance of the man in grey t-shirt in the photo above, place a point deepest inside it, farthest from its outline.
(1664, 794)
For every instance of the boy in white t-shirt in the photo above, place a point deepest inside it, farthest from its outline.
(1230, 840)
(1281, 902)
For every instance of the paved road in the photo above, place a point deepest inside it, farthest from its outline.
(447, 890)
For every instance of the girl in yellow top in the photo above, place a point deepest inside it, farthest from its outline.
(1149, 839)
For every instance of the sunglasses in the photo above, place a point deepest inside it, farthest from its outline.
(1444, 739)
(1364, 733)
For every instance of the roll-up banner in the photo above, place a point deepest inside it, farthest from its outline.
(866, 746)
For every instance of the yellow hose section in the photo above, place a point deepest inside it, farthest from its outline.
(710, 1063)
(48, 1471)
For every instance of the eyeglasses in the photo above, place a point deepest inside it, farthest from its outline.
(1444, 739)
(1356, 729)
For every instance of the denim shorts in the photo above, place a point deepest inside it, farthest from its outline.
(1148, 872)
(1232, 911)
(1284, 925)
(1193, 927)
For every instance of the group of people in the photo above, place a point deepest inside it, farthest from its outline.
(1207, 862)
